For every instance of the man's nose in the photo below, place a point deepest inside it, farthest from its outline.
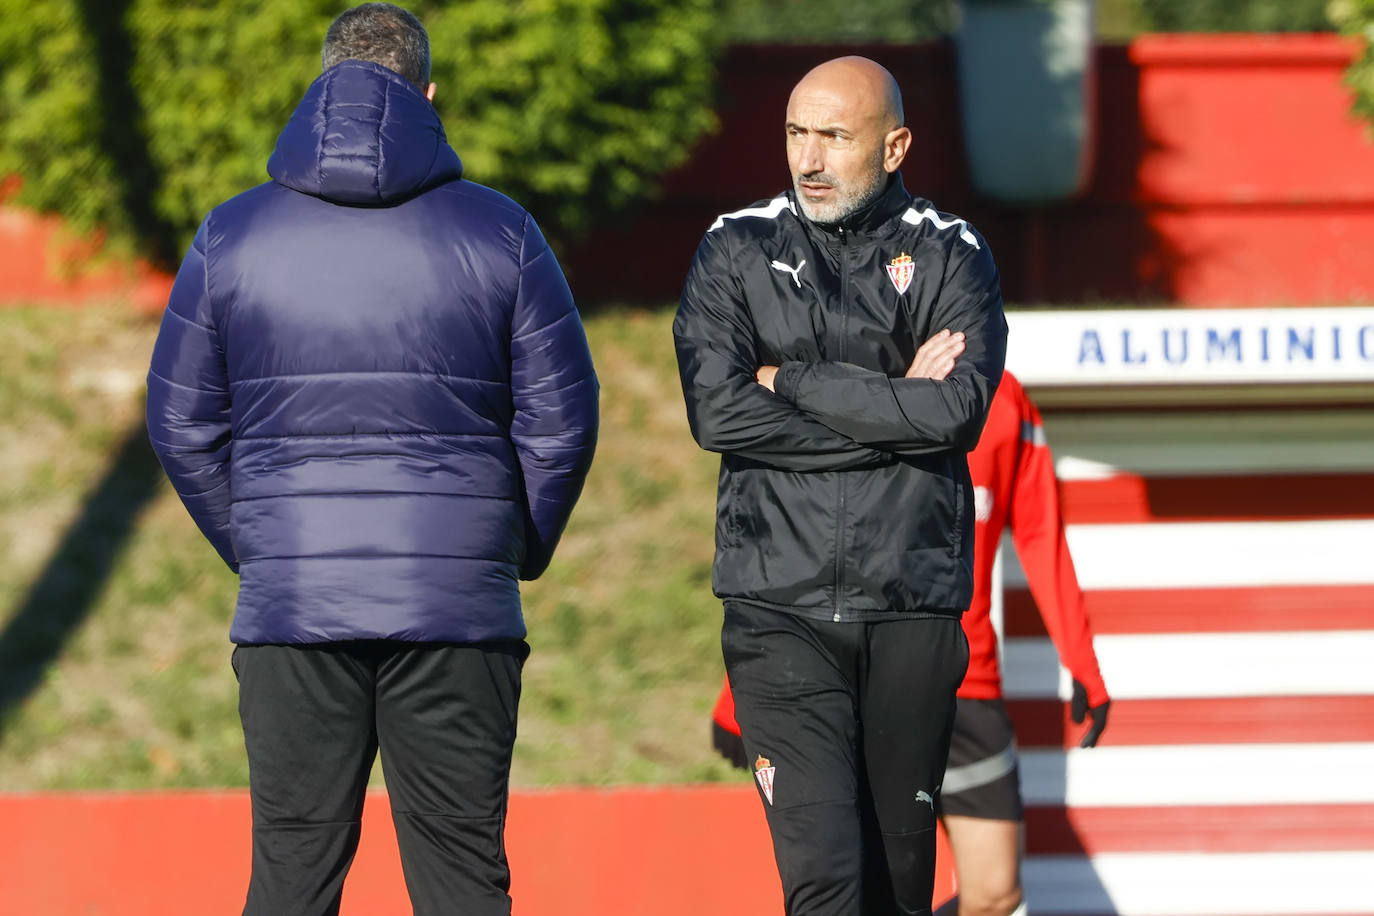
(812, 156)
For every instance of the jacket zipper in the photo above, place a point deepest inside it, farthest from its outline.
(844, 355)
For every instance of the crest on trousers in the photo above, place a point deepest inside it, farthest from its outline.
(763, 772)
(900, 270)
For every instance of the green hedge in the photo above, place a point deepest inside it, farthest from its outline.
(137, 116)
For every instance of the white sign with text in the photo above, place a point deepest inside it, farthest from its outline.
(1192, 346)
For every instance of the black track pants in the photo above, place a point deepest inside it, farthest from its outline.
(847, 725)
(444, 717)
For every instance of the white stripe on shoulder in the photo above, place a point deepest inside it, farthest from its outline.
(914, 216)
(771, 210)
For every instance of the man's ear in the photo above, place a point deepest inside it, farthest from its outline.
(895, 145)
(429, 93)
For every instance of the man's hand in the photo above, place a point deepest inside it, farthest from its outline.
(935, 359)
(765, 376)
(1079, 709)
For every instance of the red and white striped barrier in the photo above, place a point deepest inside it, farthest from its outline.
(1235, 629)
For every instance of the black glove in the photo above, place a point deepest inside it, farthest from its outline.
(729, 744)
(1079, 708)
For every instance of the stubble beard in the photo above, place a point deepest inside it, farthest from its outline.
(847, 200)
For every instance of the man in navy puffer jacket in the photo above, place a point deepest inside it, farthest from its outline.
(373, 393)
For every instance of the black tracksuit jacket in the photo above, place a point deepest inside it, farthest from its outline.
(846, 495)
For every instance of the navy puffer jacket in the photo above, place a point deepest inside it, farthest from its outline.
(371, 387)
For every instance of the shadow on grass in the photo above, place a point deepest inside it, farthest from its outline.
(123, 128)
(66, 590)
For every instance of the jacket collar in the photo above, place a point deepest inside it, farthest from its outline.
(871, 222)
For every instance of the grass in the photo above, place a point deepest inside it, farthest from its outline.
(114, 612)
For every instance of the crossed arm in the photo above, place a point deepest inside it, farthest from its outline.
(934, 360)
(728, 411)
(831, 415)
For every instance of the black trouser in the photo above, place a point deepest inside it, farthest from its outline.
(848, 726)
(444, 716)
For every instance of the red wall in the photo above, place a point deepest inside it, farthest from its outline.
(1229, 171)
(39, 262)
(683, 851)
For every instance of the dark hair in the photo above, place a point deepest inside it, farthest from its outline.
(382, 33)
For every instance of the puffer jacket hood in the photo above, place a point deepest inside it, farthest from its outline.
(363, 135)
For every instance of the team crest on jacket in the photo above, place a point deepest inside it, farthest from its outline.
(900, 271)
(763, 772)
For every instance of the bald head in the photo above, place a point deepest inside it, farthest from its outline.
(845, 136)
(862, 86)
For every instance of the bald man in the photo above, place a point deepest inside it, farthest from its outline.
(839, 346)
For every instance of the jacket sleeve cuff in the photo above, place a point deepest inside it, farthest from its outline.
(786, 381)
